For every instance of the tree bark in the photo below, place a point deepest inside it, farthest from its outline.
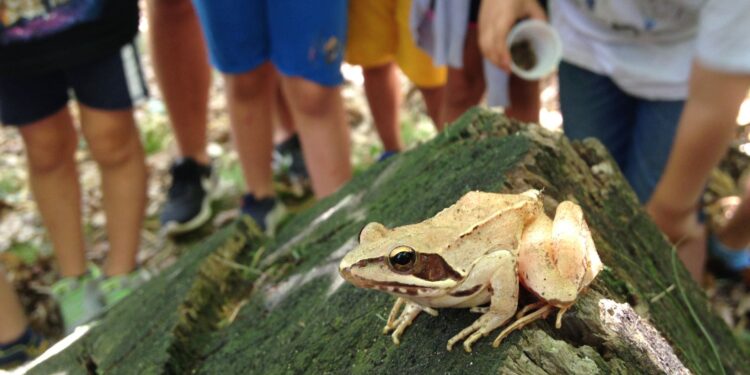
(242, 304)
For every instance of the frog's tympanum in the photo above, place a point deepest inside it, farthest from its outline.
(475, 253)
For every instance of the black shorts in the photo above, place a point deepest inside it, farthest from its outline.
(114, 82)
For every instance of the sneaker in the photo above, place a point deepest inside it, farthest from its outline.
(292, 181)
(386, 155)
(265, 212)
(79, 298)
(288, 158)
(115, 288)
(188, 202)
(23, 349)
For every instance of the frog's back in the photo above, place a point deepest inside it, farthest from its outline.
(476, 207)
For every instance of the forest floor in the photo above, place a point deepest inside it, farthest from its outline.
(25, 250)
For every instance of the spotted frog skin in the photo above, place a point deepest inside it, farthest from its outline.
(475, 254)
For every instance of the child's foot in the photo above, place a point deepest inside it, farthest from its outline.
(730, 243)
(79, 298)
(116, 288)
(22, 349)
(265, 212)
(188, 202)
(290, 172)
(732, 261)
(386, 155)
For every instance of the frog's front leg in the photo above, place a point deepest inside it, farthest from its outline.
(500, 269)
(405, 318)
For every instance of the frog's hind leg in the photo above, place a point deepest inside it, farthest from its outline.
(540, 313)
(557, 259)
(532, 306)
(560, 313)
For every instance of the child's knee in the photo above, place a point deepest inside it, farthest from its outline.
(463, 92)
(251, 86)
(312, 99)
(114, 146)
(48, 152)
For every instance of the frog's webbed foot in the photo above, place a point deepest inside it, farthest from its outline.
(405, 318)
(524, 320)
(480, 328)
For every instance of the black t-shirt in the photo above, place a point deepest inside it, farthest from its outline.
(36, 39)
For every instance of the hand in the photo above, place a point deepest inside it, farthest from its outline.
(496, 18)
(678, 226)
(686, 233)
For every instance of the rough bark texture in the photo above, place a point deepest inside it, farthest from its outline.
(238, 304)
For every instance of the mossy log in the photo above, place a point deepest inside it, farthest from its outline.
(241, 304)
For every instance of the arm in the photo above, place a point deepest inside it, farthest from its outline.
(496, 18)
(705, 131)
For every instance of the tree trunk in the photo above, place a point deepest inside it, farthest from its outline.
(240, 304)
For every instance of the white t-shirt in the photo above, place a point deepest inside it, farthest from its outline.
(647, 46)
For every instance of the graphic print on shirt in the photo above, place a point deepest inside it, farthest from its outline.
(635, 18)
(23, 20)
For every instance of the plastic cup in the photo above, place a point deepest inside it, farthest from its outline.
(544, 44)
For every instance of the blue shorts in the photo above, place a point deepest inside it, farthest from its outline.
(113, 82)
(637, 132)
(303, 38)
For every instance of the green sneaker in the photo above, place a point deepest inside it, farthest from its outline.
(115, 288)
(79, 298)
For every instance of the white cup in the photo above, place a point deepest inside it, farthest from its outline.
(545, 44)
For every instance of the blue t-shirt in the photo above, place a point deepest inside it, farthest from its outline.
(41, 35)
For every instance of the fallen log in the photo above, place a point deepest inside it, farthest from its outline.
(242, 304)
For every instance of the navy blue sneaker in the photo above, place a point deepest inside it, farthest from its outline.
(23, 349)
(386, 155)
(264, 212)
(188, 200)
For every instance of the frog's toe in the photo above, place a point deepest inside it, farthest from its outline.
(430, 311)
(472, 339)
(396, 338)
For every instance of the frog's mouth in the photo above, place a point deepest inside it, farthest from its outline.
(392, 287)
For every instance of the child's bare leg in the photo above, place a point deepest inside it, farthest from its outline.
(434, 97)
(12, 319)
(286, 128)
(318, 112)
(116, 147)
(251, 102)
(383, 91)
(50, 147)
(465, 87)
(182, 69)
(524, 99)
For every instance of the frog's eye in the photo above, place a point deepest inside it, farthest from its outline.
(402, 258)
